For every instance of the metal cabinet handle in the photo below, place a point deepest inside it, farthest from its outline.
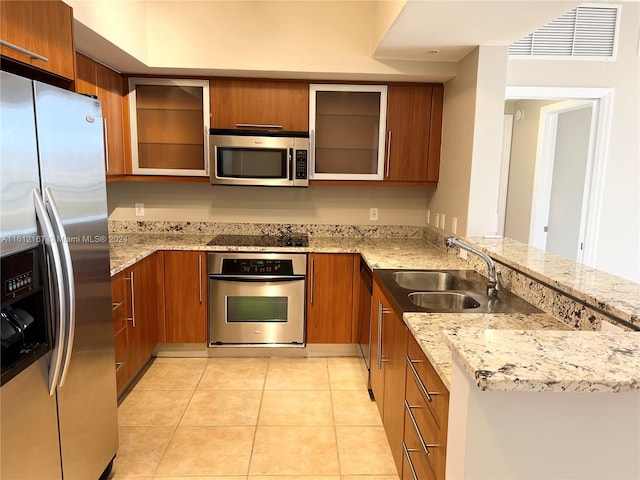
(421, 386)
(312, 153)
(388, 163)
(406, 454)
(258, 125)
(56, 266)
(31, 54)
(312, 278)
(133, 299)
(381, 312)
(70, 291)
(415, 426)
(200, 277)
(119, 365)
(106, 142)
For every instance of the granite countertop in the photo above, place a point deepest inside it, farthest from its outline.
(589, 353)
(555, 361)
(126, 249)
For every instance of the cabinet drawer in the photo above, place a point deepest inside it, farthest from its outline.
(121, 343)
(415, 465)
(421, 430)
(435, 394)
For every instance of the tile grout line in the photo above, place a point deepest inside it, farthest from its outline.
(255, 430)
(333, 413)
(164, 451)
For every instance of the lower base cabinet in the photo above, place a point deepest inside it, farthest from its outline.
(426, 418)
(185, 280)
(388, 370)
(138, 296)
(412, 400)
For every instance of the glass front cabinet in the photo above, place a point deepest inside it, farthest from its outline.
(347, 131)
(169, 126)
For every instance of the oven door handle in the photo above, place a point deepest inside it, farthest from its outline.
(256, 278)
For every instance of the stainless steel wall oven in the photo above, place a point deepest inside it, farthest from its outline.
(257, 299)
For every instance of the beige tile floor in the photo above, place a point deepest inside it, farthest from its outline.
(252, 419)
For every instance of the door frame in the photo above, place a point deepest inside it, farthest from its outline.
(505, 163)
(601, 126)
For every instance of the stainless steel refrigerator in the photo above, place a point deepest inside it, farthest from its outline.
(58, 397)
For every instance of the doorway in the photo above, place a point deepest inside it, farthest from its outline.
(554, 176)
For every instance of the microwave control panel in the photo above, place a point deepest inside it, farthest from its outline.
(301, 164)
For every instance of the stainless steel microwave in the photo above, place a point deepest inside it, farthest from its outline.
(250, 157)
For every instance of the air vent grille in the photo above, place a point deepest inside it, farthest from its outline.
(588, 31)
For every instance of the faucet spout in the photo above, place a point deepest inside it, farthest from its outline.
(492, 284)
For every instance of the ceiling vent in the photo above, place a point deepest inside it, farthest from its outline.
(588, 32)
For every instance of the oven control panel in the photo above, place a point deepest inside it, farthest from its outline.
(252, 266)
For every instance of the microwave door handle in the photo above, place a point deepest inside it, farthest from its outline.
(291, 164)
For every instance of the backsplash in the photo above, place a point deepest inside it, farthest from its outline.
(575, 313)
(214, 228)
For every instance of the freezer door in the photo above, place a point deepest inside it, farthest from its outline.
(70, 143)
(18, 165)
(29, 433)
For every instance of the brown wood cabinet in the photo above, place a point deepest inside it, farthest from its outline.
(330, 298)
(283, 103)
(93, 78)
(43, 28)
(120, 330)
(185, 281)
(388, 370)
(414, 127)
(426, 416)
(140, 288)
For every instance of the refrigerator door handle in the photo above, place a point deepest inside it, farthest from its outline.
(52, 252)
(69, 282)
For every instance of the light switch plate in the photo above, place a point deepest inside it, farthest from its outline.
(139, 209)
(373, 214)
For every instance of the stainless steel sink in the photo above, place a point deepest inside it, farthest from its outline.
(443, 301)
(429, 281)
(447, 291)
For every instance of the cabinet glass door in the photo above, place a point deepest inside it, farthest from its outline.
(169, 126)
(347, 124)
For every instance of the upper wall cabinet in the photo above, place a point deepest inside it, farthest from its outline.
(39, 34)
(346, 128)
(388, 134)
(169, 126)
(269, 104)
(414, 128)
(93, 78)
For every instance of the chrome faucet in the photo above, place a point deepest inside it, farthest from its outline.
(492, 286)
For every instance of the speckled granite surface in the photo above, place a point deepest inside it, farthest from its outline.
(555, 361)
(427, 329)
(612, 294)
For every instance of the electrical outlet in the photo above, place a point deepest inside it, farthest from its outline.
(139, 209)
(373, 214)
(427, 217)
(442, 217)
(454, 225)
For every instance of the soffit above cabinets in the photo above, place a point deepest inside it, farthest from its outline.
(317, 40)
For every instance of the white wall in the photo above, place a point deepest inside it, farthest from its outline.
(472, 144)
(524, 143)
(314, 205)
(620, 215)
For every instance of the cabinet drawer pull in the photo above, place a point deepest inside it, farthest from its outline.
(200, 277)
(259, 125)
(119, 365)
(23, 50)
(423, 389)
(406, 454)
(424, 446)
(133, 300)
(312, 278)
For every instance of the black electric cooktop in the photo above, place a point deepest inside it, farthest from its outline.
(285, 240)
